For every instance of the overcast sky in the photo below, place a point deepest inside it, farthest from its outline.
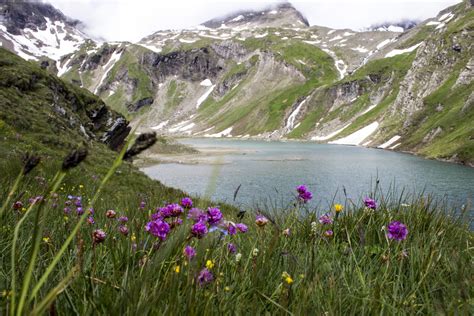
(134, 19)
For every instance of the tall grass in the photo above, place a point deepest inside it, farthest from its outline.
(288, 266)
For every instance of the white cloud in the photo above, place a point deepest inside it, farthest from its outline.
(134, 19)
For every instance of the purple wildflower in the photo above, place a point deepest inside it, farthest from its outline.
(98, 236)
(205, 277)
(325, 219)
(328, 233)
(18, 205)
(158, 228)
(197, 215)
(91, 220)
(370, 203)
(110, 214)
(123, 230)
(68, 203)
(232, 248)
(397, 231)
(199, 229)
(301, 189)
(187, 202)
(142, 205)
(67, 210)
(305, 196)
(241, 227)
(261, 220)
(231, 229)
(123, 219)
(214, 215)
(189, 252)
(79, 211)
(157, 216)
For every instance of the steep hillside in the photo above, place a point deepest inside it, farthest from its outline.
(45, 116)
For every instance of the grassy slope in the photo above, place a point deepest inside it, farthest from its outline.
(385, 70)
(270, 108)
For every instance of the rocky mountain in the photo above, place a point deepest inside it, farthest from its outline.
(268, 74)
(35, 30)
(280, 15)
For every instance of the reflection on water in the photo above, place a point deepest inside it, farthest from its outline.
(272, 170)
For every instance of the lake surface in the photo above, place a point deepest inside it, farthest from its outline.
(270, 171)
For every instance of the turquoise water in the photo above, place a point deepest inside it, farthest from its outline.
(268, 172)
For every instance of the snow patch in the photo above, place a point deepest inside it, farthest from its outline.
(161, 125)
(187, 41)
(360, 49)
(225, 132)
(444, 16)
(152, 48)
(261, 35)
(206, 83)
(331, 31)
(359, 136)
(110, 64)
(238, 18)
(369, 109)
(204, 96)
(335, 38)
(382, 44)
(390, 142)
(396, 52)
(433, 23)
(339, 63)
(348, 34)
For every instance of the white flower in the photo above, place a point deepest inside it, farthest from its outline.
(238, 257)
(255, 252)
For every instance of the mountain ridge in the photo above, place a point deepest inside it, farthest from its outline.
(293, 82)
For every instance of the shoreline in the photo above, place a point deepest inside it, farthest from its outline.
(203, 153)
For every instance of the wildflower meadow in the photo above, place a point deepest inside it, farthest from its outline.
(72, 249)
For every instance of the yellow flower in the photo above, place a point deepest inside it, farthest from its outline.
(288, 279)
(338, 208)
(209, 264)
(177, 269)
(46, 239)
(133, 238)
(66, 218)
(227, 289)
(81, 186)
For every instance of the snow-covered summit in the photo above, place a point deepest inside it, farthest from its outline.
(282, 14)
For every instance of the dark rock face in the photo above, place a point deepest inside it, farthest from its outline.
(196, 64)
(114, 137)
(139, 104)
(22, 14)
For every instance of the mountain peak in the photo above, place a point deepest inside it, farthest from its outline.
(17, 16)
(277, 15)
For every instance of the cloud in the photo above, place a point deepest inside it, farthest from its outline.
(134, 19)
